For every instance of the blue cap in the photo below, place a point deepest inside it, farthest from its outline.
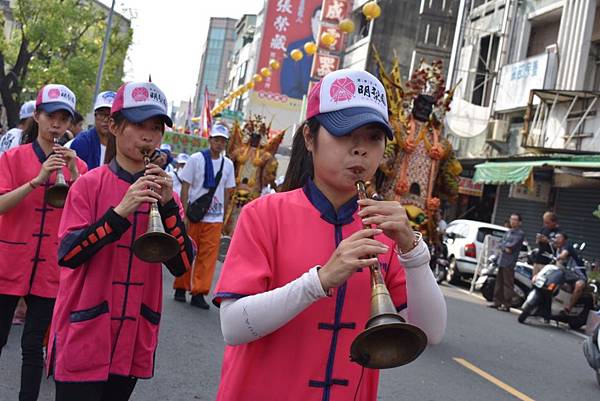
(343, 122)
(140, 101)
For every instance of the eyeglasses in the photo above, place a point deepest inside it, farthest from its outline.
(102, 116)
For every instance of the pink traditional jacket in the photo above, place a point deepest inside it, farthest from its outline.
(108, 309)
(278, 238)
(29, 231)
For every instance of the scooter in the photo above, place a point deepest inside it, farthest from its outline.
(591, 350)
(439, 261)
(486, 282)
(550, 295)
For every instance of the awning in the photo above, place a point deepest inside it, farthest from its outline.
(519, 172)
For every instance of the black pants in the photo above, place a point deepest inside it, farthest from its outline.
(117, 388)
(37, 321)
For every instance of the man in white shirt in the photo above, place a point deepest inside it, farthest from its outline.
(199, 176)
(180, 162)
(12, 138)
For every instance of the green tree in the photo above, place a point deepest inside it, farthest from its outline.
(58, 41)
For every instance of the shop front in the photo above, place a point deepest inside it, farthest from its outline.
(565, 184)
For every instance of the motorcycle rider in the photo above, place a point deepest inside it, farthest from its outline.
(543, 239)
(575, 273)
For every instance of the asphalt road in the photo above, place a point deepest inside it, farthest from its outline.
(485, 355)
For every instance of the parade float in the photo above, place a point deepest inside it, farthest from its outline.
(252, 149)
(419, 168)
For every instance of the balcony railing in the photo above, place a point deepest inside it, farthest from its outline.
(562, 120)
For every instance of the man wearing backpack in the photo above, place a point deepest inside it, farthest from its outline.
(208, 180)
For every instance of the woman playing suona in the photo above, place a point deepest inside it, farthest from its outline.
(105, 326)
(29, 227)
(294, 291)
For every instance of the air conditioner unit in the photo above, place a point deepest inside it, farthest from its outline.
(497, 131)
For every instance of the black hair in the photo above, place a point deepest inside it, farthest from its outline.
(518, 215)
(111, 145)
(564, 234)
(317, 9)
(301, 162)
(77, 118)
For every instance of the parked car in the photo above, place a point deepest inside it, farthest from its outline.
(464, 239)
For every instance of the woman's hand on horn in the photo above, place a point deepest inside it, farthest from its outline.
(144, 190)
(356, 251)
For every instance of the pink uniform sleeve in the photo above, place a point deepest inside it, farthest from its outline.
(395, 279)
(248, 266)
(7, 182)
(76, 213)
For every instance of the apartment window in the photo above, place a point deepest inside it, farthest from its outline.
(218, 33)
(486, 66)
(242, 73)
(362, 27)
(542, 35)
(477, 3)
(592, 81)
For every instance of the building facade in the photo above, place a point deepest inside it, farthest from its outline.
(525, 119)
(411, 30)
(242, 63)
(217, 51)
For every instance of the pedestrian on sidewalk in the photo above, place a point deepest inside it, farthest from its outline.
(510, 246)
(29, 228)
(90, 145)
(206, 172)
(105, 326)
(294, 290)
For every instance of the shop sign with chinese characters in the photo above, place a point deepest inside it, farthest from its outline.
(467, 186)
(540, 192)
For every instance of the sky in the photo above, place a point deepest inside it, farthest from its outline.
(168, 38)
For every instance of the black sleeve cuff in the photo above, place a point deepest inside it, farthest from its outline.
(169, 209)
(118, 223)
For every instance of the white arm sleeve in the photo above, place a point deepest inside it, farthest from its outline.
(252, 317)
(426, 305)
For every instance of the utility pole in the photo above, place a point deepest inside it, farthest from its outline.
(103, 56)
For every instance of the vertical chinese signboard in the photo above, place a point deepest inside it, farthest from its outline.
(288, 25)
(328, 58)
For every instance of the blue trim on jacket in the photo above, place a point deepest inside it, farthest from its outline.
(339, 219)
(87, 146)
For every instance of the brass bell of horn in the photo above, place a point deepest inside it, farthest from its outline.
(155, 245)
(387, 341)
(57, 193)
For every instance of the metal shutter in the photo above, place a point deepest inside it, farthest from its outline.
(574, 207)
(531, 212)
